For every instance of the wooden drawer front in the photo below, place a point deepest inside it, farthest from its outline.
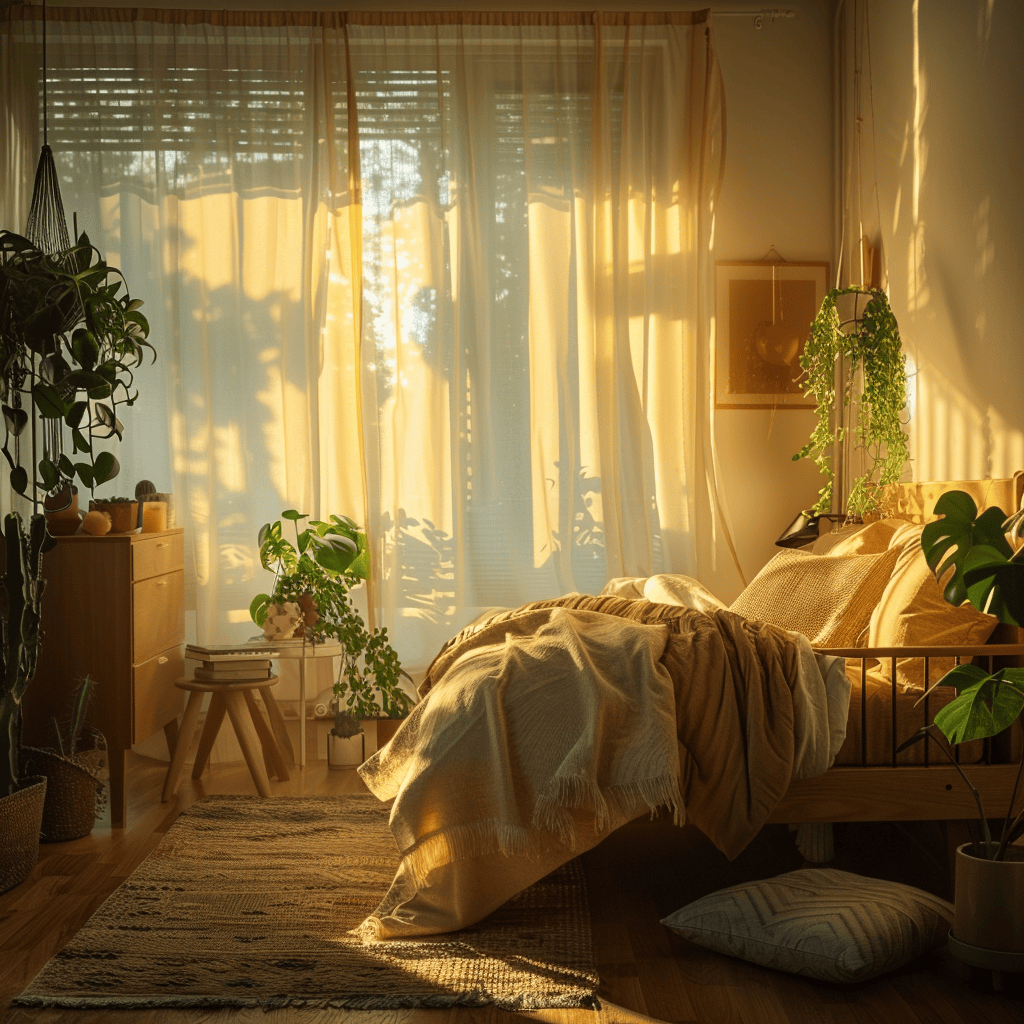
(163, 552)
(159, 616)
(156, 699)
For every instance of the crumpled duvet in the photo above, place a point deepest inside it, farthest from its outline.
(599, 709)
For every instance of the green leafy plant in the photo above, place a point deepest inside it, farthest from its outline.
(973, 554)
(69, 345)
(874, 380)
(316, 573)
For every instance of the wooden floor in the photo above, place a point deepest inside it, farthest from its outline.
(637, 876)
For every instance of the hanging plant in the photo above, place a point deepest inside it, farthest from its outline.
(69, 344)
(868, 343)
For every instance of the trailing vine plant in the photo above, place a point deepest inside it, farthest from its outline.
(869, 343)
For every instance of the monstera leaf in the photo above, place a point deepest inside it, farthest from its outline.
(948, 541)
(995, 584)
(985, 704)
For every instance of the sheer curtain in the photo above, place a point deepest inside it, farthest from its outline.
(448, 274)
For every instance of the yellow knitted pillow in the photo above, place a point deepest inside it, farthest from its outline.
(828, 598)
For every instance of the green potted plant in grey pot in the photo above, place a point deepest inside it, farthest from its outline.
(310, 598)
(972, 553)
(69, 342)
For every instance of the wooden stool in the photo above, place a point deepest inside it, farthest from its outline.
(238, 700)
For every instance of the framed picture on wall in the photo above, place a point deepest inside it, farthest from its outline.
(763, 314)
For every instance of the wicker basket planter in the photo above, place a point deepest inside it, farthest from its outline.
(20, 816)
(75, 794)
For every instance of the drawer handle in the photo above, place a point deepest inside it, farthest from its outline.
(162, 660)
(163, 544)
(161, 583)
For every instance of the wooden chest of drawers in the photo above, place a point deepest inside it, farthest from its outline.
(114, 609)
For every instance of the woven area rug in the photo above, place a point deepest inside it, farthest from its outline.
(247, 903)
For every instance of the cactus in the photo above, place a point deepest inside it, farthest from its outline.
(21, 592)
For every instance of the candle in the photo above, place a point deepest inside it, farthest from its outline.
(154, 516)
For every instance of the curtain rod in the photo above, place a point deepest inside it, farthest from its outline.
(758, 16)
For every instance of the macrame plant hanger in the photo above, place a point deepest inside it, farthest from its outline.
(47, 229)
(47, 226)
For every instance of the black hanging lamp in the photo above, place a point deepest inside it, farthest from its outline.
(804, 529)
(47, 226)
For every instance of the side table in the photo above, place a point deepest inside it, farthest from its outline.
(304, 651)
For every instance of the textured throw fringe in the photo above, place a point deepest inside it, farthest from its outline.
(814, 840)
(465, 841)
(562, 792)
(627, 799)
(661, 791)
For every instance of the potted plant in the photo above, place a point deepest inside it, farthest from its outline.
(61, 511)
(310, 598)
(867, 348)
(123, 513)
(974, 555)
(75, 794)
(392, 714)
(68, 345)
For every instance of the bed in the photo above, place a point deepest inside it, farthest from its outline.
(861, 785)
(542, 729)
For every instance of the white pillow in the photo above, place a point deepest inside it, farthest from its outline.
(820, 922)
(664, 588)
(631, 587)
(681, 591)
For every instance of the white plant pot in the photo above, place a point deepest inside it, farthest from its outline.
(345, 752)
(989, 901)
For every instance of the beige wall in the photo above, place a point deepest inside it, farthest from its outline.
(943, 127)
(777, 191)
(949, 130)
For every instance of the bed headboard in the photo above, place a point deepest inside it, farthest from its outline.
(915, 501)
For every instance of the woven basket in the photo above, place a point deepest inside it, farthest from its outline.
(75, 795)
(20, 816)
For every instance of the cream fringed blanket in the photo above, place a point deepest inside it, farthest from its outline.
(544, 728)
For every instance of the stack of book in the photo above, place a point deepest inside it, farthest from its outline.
(224, 663)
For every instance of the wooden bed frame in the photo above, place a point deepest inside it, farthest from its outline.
(934, 790)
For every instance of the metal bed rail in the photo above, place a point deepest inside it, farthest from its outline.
(990, 657)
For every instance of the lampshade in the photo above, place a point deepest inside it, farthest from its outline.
(804, 529)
